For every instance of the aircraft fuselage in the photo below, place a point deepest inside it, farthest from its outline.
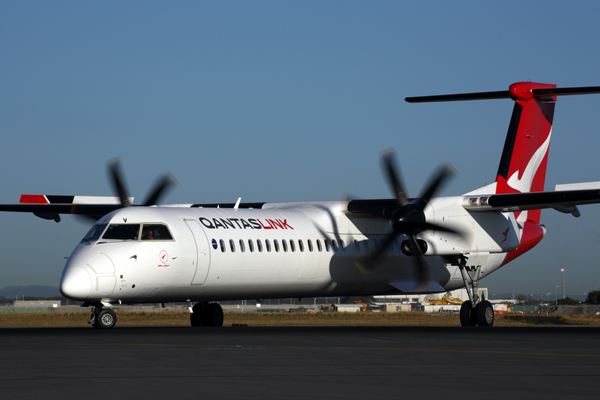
(282, 250)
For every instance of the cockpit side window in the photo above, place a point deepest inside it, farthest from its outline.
(94, 233)
(156, 232)
(122, 232)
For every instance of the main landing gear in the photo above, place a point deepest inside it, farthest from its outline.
(206, 314)
(102, 318)
(475, 311)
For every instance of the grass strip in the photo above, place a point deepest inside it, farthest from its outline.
(182, 318)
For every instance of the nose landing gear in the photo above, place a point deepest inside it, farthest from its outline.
(206, 314)
(102, 318)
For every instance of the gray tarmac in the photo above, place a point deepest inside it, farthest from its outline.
(299, 363)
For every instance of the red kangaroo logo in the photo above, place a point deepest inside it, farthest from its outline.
(505, 233)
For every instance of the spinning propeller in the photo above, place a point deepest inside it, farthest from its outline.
(160, 188)
(409, 218)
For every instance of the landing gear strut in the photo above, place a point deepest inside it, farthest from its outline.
(102, 318)
(475, 311)
(206, 314)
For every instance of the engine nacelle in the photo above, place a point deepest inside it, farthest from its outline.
(431, 247)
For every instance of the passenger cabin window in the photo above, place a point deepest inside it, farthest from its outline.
(94, 233)
(259, 245)
(232, 245)
(156, 232)
(301, 245)
(251, 245)
(310, 246)
(319, 245)
(122, 232)
(268, 245)
(222, 243)
(292, 246)
(342, 245)
(242, 247)
(357, 246)
(276, 244)
(284, 244)
(334, 245)
(326, 241)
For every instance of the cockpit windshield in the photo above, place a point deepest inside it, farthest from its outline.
(156, 232)
(122, 232)
(94, 233)
(132, 232)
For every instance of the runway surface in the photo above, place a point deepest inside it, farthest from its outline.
(299, 363)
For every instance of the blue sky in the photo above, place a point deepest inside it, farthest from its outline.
(278, 101)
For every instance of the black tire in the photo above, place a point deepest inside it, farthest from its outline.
(467, 315)
(197, 315)
(213, 315)
(196, 318)
(485, 313)
(105, 319)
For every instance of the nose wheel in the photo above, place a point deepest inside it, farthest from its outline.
(102, 318)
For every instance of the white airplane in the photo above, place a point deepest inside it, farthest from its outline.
(203, 253)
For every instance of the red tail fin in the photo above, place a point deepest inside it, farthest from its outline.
(523, 164)
(525, 156)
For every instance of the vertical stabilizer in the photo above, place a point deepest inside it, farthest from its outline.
(523, 164)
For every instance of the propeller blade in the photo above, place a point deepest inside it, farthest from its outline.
(364, 267)
(387, 157)
(370, 263)
(432, 227)
(442, 174)
(424, 275)
(408, 219)
(114, 169)
(160, 188)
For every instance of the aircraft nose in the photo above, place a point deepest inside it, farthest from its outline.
(76, 283)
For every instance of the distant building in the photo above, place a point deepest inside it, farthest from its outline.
(422, 298)
(347, 307)
(37, 304)
(419, 302)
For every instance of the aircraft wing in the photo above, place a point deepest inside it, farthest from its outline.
(49, 207)
(95, 207)
(565, 201)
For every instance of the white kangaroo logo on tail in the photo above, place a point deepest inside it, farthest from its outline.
(523, 185)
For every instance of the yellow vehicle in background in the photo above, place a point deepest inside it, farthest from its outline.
(446, 300)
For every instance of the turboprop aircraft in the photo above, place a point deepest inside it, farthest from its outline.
(204, 253)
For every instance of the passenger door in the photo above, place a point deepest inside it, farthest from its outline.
(202, 252)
